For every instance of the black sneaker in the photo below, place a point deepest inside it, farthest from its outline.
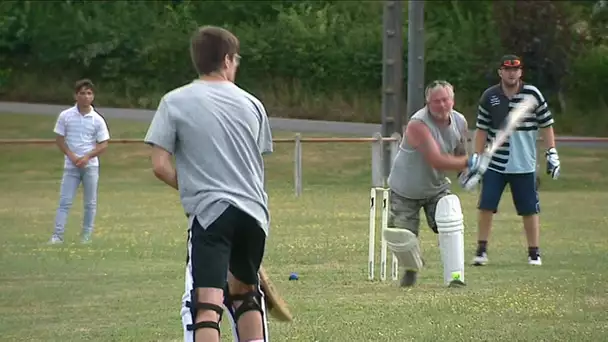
(409, 278)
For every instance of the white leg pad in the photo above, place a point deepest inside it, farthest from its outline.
(450, 227)
(404, 245)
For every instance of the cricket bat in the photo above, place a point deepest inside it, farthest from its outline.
(276, 304)
(518, 113)
(516, 116)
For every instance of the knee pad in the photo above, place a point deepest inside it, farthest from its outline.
(404, 245)
(195, 306)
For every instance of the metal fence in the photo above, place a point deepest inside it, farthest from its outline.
(378, 145)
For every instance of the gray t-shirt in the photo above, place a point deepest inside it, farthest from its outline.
(218, 133)
(411, 175)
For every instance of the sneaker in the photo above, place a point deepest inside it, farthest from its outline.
(480, 260)
(456, 283)
(535, 262)
(86, 239)
(55, 240)
(409, 278)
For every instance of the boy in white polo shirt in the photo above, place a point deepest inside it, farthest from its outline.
(82, 135)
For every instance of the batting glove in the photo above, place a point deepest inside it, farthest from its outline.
(553, 165)
(479, 162)
(477, 166)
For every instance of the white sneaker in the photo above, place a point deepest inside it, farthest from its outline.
(481, 260)
(85, 239)
(535, 262)
(55, 240)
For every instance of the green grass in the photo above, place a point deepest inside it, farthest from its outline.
(127, 285)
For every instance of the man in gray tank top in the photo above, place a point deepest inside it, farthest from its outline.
(217, 133)
(434, 143)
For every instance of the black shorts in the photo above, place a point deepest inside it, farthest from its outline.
(234, 241)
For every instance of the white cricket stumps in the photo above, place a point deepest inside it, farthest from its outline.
(450, 226)
(372, 237)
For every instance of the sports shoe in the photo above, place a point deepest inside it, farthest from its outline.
(535, 262)
(480, 260)
(55, 240)
(456, 283)
(86, 238)
(409, 278)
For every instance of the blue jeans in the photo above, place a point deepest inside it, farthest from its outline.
(70, 182)
(523, 191)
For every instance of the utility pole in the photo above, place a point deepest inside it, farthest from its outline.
(415, 57)
(392, 75)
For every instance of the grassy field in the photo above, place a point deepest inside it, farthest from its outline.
(127, 285)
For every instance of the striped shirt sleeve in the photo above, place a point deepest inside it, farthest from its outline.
(103, 134)
(483, 115)
(60, 125)
(544, 117)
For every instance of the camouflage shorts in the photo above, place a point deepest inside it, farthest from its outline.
(405, 213)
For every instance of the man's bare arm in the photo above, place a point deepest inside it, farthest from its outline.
(63, 147)
(420, 138)
(548, 137)
(99, 149)
(480, 140)
(163, 168)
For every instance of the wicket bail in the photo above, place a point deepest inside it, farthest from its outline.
(372, 236)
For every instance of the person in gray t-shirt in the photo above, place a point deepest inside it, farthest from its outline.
(217, 133)
(434, 142)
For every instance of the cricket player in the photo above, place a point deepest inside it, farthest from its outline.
(515, 162)
(434, 143)
(217, 133)
(82, 135)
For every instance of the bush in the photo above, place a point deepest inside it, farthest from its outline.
(313, 59)
(589, 79)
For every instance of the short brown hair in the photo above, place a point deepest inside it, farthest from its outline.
(208, 47)
(84, 83)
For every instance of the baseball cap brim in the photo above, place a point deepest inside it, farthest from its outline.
(510, 62)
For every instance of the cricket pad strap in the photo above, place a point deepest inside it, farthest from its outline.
(195, 306)
(251, 301)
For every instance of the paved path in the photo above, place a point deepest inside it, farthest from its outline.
(303, 126)
(293, 125)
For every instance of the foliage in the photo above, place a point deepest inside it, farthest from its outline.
(547, 50)
(591, 79)
(296, 52)
(461, 44)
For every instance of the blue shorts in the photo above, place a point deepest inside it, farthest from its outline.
(523, 191)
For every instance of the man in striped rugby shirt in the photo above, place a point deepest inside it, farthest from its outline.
(515, 161)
